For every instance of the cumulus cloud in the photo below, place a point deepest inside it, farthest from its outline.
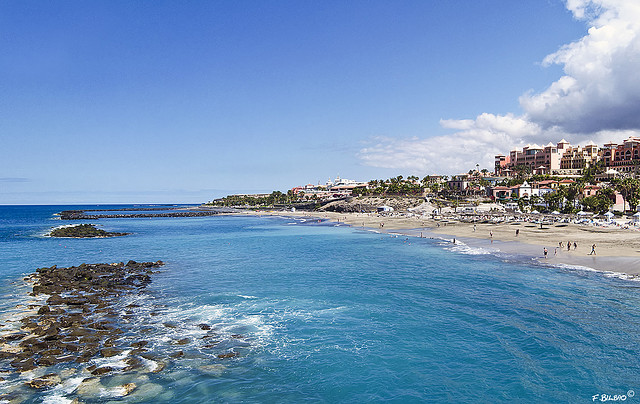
(601, 86)
(597, 98)
(476, 142)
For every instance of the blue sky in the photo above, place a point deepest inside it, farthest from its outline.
(163, 101)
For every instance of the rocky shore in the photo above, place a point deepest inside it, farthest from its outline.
(83, 231)
(88, 331)
(77, 321)
(370, 204)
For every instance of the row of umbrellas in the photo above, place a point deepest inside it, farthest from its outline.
(582, 213)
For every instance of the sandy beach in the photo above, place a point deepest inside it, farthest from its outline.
(617, 250)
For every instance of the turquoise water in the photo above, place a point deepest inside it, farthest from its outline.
(322, 313)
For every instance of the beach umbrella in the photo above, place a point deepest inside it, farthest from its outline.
(609, 216)
(583, 213)
(555, 212)
(534, 211)
(636, 217)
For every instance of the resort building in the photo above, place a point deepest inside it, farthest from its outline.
(576, 159)
(524, 190)
(559, 159)
(309, 190)
(459, 183)
(590, 190)
(343, 187)
(625, 157)
(532, 158)
(500, 164)
(339, 187)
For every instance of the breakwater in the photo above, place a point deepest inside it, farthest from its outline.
(83, 215)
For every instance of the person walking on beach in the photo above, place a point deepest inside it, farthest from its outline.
(560, 244)
(575, 245)
(593, 250)
(568, 245)
(545, 252)
(474, 227)
(517, 232)
(555, 252)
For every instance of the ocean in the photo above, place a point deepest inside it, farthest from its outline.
(306, 310)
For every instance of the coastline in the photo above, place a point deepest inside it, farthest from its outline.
(617, 250)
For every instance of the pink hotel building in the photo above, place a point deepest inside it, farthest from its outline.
(564, 159)
(539, 160)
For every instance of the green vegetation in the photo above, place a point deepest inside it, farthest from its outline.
(83, 231)
(393, 186)
(599, 203)
(630, 190)
(274, 198)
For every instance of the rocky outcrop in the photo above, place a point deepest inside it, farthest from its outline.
(83, 231)
(77, 321)
(371, 203)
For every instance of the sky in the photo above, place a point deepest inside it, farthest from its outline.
(182, 102)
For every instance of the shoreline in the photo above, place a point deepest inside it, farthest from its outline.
(617, 250)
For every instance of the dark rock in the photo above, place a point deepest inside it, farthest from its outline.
(55, 351)
(25, 365)
(183, 341)
(6, 355)
(72, 347)
(14, 337)
(47, 360)
(54, 299)
(177, 354)
(140, 344)
(44, 310)
(83, 231)
(204, 327)
(133, 362)
(70, 327)
(228, 355)
(102, 370)
(44, 382)
(150, 356)
(29, 342)
(108, 352)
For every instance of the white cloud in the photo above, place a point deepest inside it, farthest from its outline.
(477, 142)
(598, 98)
(601, 86)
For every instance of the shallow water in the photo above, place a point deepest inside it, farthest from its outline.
(336, 314)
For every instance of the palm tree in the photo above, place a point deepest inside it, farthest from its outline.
(630, 190)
